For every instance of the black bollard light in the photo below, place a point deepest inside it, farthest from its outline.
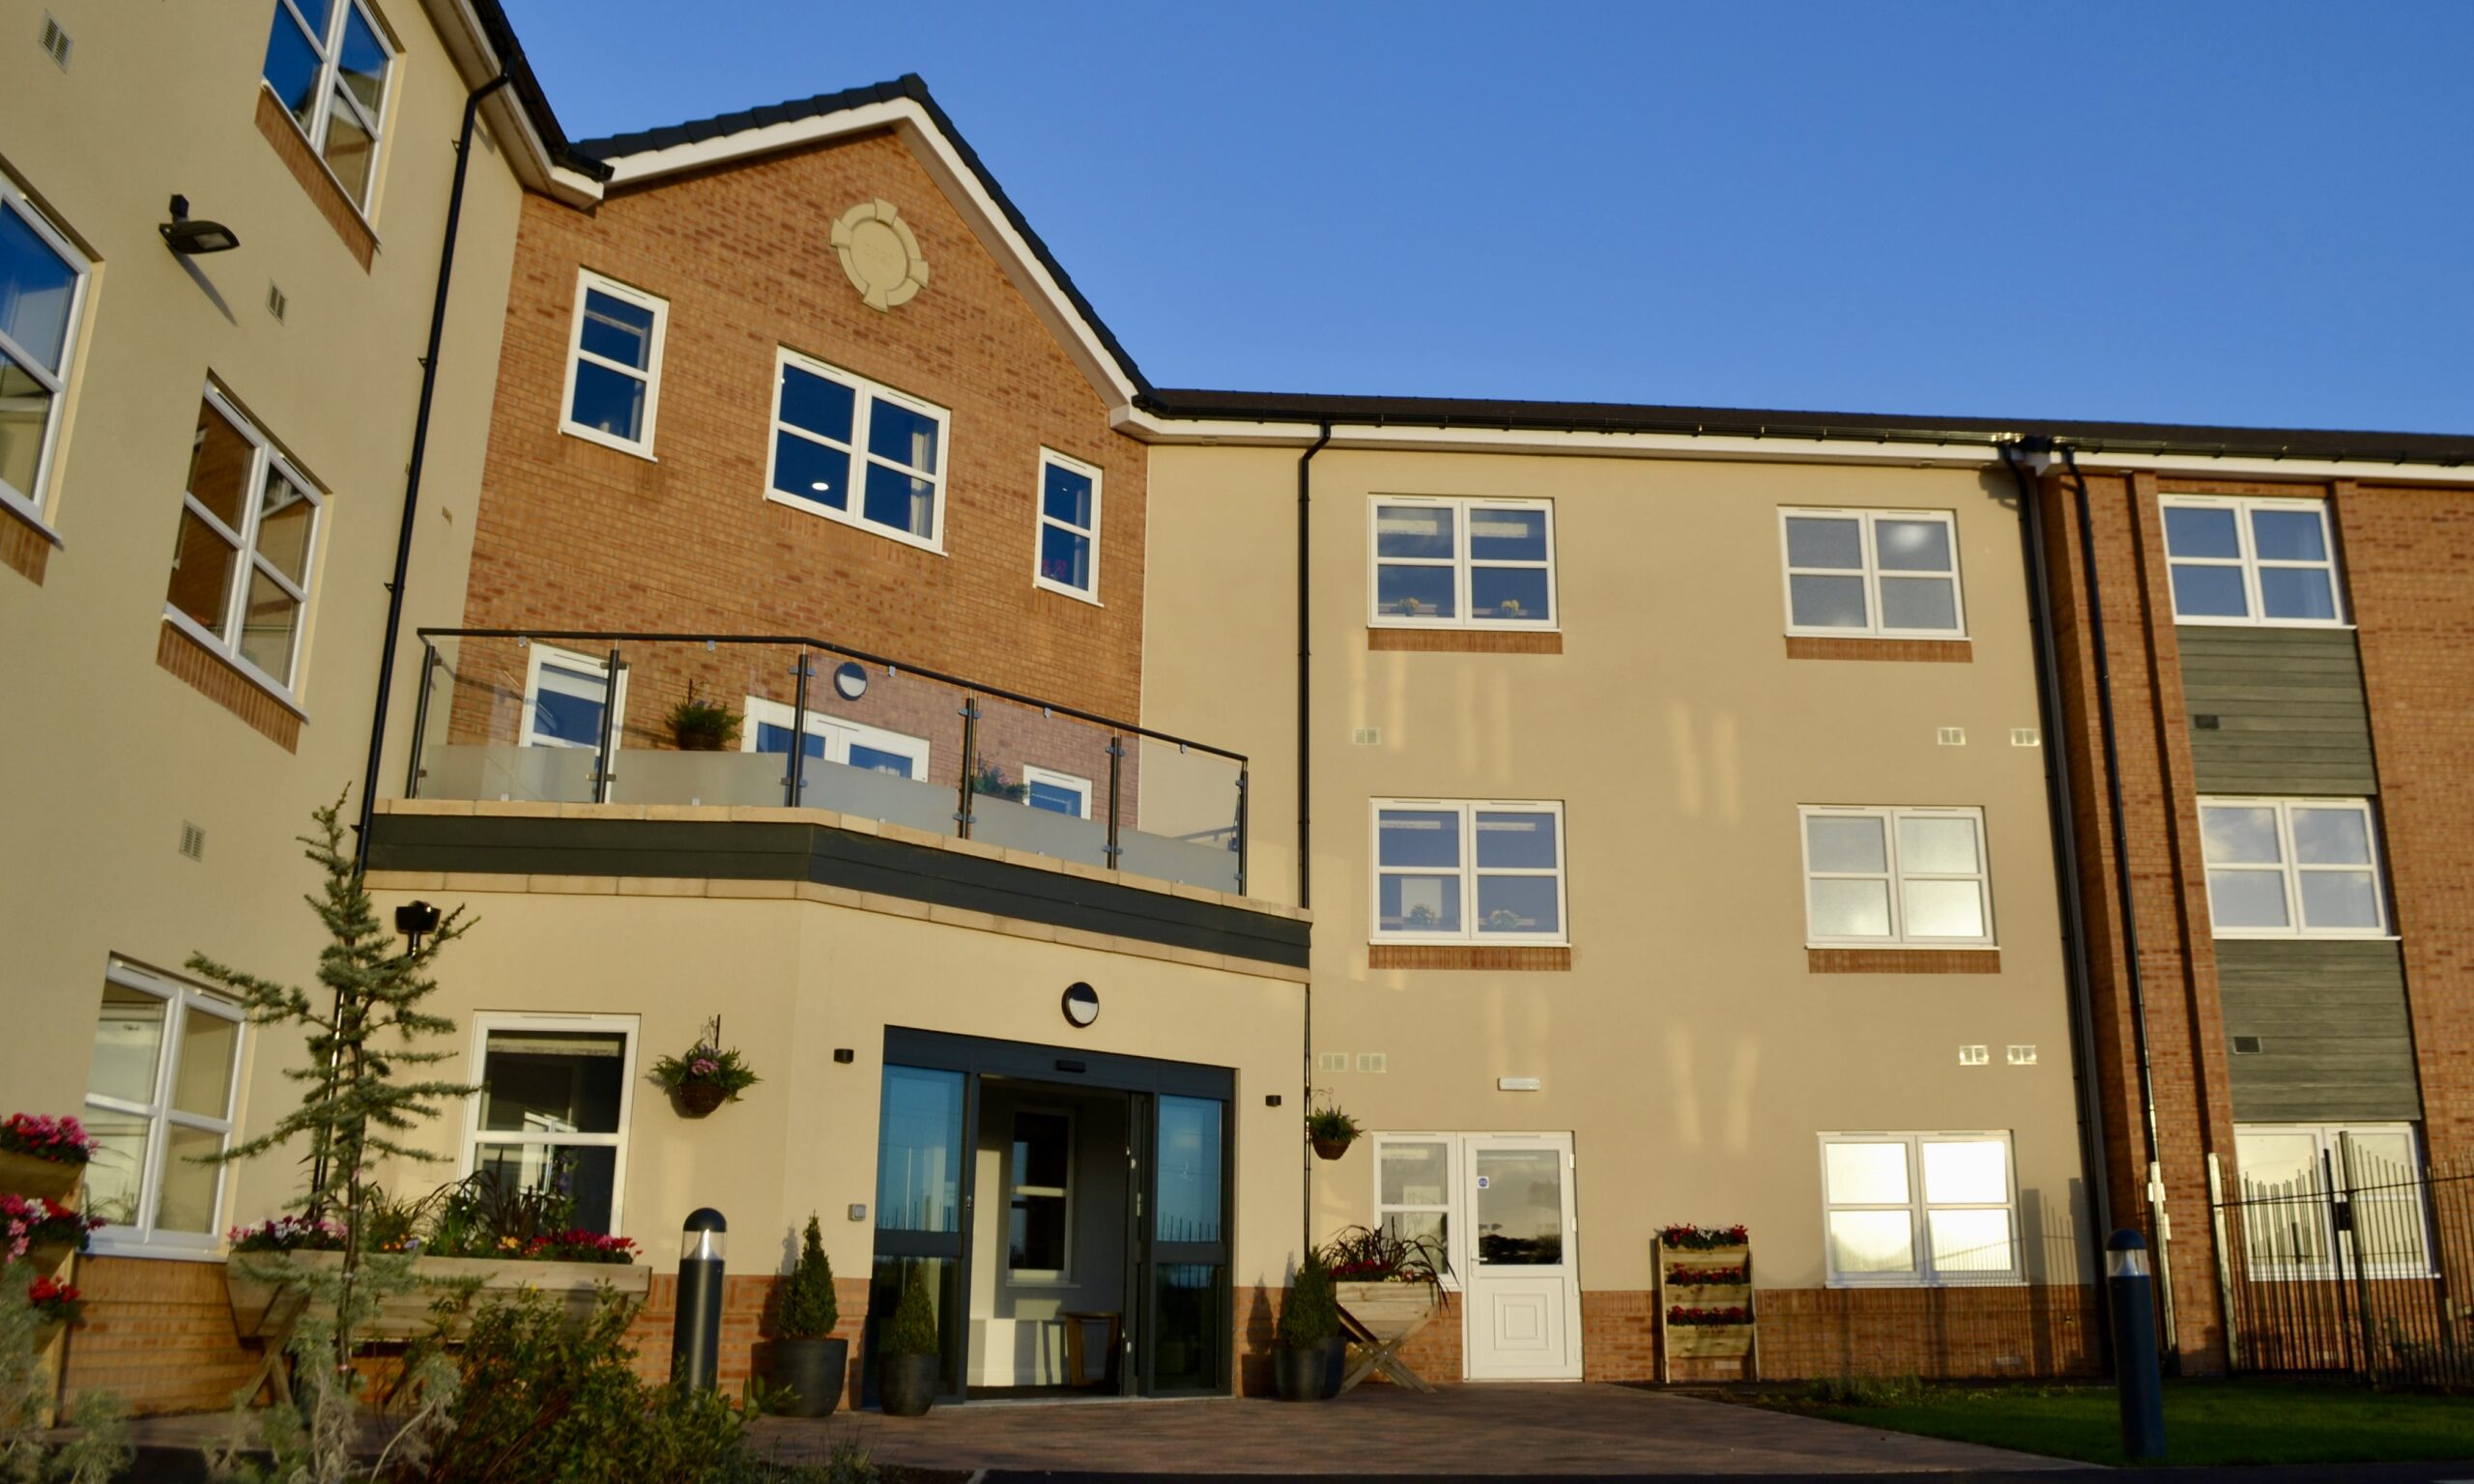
(2135, 1367)
(696, 1330)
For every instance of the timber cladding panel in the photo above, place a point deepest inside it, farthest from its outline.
(2335, 1039)
(574, 535)
(2288, 709)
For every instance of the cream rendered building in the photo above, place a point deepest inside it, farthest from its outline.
(1633, 1020)
(202, 471)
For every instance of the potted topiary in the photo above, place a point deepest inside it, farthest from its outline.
(906, 1373)
(1307, 1365)
(1331, 1131)
(808, 1361)
(701, 725)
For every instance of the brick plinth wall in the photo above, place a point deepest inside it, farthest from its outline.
(746, 1351)
(157, 1335)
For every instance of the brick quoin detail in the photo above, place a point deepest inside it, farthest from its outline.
(574, 535)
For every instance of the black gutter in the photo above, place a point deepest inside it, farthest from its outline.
(1505, 414)
(2088, 1094)
(1304, 778)
(2159, 1229)
(413, 468)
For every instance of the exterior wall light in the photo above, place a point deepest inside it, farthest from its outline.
(189, 237)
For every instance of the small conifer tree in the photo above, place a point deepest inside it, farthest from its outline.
(810, 1308)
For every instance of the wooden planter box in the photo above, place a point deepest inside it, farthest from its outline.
(1702, 1341)
(265, 1306)
(1389, 1309)
(26, 1175)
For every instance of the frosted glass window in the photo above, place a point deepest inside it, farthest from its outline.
(1887, 876)
(1918, 1209)
(2245, 561)
(1462, 562)
(1889, 574)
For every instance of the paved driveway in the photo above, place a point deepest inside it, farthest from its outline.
(1513, 1429)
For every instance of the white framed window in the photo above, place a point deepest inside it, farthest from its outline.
(1068, 559)
(42, 291)
(158, 1105)
(2290, 1178)
(1468, 871)
(1059, 794)
(1877, 876)
(1882, 574)
(1910, 1210)
(1038, 1198)
(854, 451)
(565, 694)
(557, 1096)
(1461, 563)
(329, 63)
(2293, 868)
(249, 537)
(2246, 561)
(614, 365)
(833, 739)
(1413, 1191)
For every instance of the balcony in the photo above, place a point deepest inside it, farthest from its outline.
(690, 728)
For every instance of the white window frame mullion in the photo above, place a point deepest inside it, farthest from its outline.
(1039, 532)
(2292, 869)
(2253, 564)
(589, 283)
(614, 695)
(33, 501)
(143, 1237)
(865, 394)
(628, 1027)
(1925, 1205)
(1463, 562)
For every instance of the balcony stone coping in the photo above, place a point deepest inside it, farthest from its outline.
(778, 813)
(461, 881)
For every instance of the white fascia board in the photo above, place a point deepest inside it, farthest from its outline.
(1150, 428)
(960, 184)
(477, 62)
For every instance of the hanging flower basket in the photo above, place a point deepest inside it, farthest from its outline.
(707, 1076)
(1330, 1149)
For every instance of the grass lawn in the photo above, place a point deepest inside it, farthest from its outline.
(2212, 1422)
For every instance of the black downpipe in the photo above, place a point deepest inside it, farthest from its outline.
(2065, 864)
(2158, 1229)
(413, 468)
(1304, 785)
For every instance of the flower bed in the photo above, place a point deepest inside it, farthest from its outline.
(1732, 1313)
(1702, 1239)
(52, 1140)
(267, 1298)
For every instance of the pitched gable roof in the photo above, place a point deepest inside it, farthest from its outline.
(904, 106)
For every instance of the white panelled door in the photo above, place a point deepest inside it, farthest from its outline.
(1516, 1252)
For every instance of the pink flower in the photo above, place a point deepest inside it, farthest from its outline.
(704, 1066)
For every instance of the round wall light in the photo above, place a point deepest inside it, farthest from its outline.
(1081, 1003)
(850, 680)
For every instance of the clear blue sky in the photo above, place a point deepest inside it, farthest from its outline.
(2256, 214)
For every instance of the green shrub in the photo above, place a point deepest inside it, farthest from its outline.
(1312, 1316)
(549, 1400)
(809, 1308)
(913, 1330)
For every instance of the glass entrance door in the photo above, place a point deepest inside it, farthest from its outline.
(922, 1207)
(1187, 1319)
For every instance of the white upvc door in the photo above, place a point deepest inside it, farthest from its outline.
(1517, 1248)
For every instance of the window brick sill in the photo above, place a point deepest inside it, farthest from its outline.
(213, 676)
(1903, 961)
(1454, 956)
(1464, 641)
(292, 147)
(1944, 652)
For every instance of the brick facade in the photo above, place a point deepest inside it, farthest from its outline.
(572, 535)
(2407, 554)
(2403, 552)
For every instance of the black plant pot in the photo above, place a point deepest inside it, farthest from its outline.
(1308, 1375)
(907, 1385)
(1335, 1366)
(814, 1372)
